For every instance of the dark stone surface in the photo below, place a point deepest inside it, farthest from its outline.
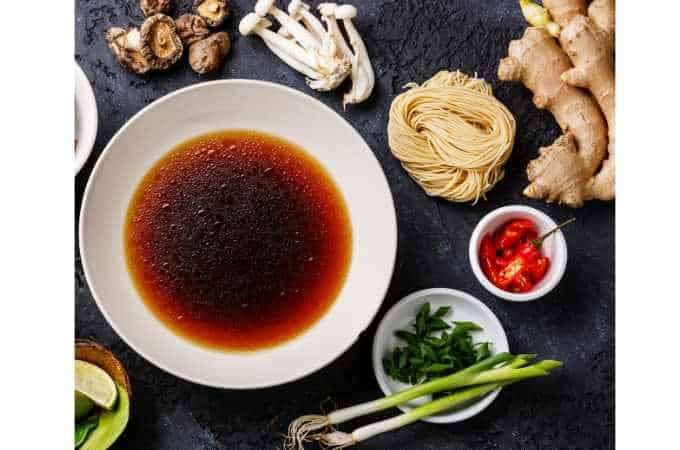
(408, 41)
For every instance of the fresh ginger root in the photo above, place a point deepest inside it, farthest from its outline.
(538, 16)
(563, 170)
(591, 53)
(603, 14)
(567, 171)
(562, 11)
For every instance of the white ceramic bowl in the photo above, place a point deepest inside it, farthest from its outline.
(86, 118)
(554, 247)
(243, 104)
(464, 307)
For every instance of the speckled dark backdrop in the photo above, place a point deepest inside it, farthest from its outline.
(408, 41)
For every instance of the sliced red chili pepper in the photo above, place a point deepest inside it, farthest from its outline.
(515, 267)
(510, 260)
(512, 233)
(539, 268)
(521, 225)
(522, 283)
(528, 251)
(487, 257)
(504, 258)
(502, 283)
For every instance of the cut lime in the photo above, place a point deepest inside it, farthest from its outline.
(111, 424)
(96, 384)
(83, 405)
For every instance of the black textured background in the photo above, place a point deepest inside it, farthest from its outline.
(408, 40)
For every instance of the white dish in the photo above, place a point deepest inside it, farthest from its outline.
(86, 118)
(240, 104)
(554, 247)
(464, 307)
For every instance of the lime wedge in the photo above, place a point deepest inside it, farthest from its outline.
(94, 383)
(111, 424)
(83, 405)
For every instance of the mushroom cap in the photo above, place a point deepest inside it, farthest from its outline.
(345, 12)
(206, 55)
(151, 7)
(161, 44)
(213, 11)
(191, 28)
(262, 7)
(327, 9)
(125, 44)
(250, 22)
(295, 7)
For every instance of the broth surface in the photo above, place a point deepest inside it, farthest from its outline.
(238, 240)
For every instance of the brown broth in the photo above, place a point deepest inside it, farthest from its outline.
(238, 240)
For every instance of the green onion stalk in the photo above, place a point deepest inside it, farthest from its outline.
(484, 372)
(338, 440)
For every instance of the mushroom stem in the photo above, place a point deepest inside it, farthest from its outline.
(300, 33)
(319, 61)
(299, 10)
(292, 62)
(252, 23)
(363, 77)
(327, 11)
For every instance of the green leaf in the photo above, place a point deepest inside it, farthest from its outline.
(417, 362)
(427, 355)
(421, 319)
(442, 311)
(437, 367)
(465, 327)
(433, 341)
(424, 310)
(403, 359)
(482, 351)
(410, 338)
(83, 429)
(427, 351)
(437, 324)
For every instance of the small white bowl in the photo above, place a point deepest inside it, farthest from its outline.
(554, 247)
(464, 307)
(86, 118)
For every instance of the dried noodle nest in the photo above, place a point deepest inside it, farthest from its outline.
(452, 136)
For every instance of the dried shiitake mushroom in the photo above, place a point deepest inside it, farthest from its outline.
(126, 45)
(213, 11)
(161, 44)
(205, 56)
(152, 7)
(191, 28)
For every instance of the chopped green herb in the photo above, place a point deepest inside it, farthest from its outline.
(434, 348)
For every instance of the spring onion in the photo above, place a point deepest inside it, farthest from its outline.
(337, 439)
(482, 373)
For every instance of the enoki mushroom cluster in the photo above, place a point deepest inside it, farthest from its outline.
(452, 136)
